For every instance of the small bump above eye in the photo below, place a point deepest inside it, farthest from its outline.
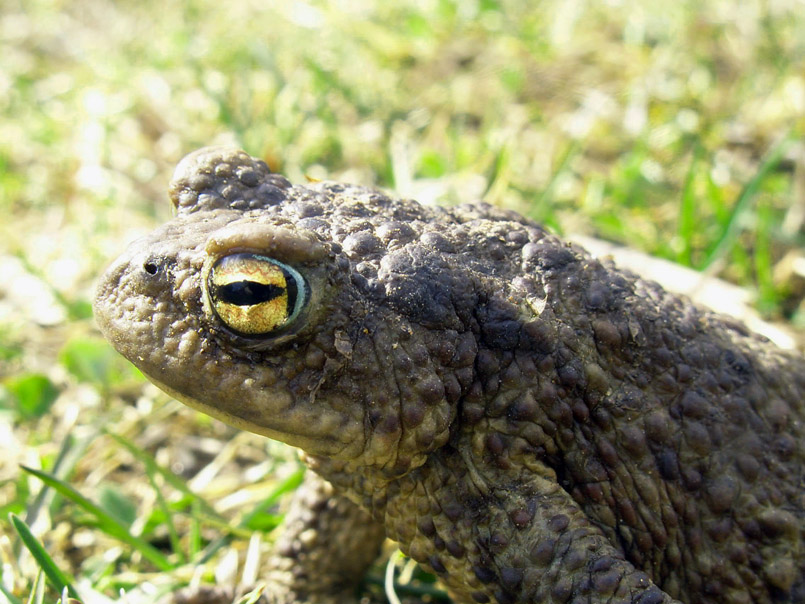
(255, 295)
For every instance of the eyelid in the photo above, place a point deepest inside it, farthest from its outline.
(292, 246)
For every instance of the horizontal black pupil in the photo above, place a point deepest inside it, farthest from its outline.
(248, 293)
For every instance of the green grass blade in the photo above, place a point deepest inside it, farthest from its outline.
(287, 485)
(763, 259)
(57, 578)
(153, 468)
(201, 510)
(195, 543)
(253, 596)
(106, 522)
(544, 197)
(152, 471)
(37, 595)
(686, 228)
(173, 534)
(244, 527)
(744, 203)
(70, 451)
(9, 596)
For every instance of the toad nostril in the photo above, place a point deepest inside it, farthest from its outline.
(151, 267)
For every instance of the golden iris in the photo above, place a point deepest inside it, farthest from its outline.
(256, 295)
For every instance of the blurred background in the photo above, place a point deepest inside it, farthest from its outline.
(674, 128)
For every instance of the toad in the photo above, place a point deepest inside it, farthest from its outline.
(527, 422)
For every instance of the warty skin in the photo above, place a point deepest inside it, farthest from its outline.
(526, 421)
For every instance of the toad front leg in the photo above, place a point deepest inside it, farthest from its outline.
(326, 546)
(518, 539)
(325, 549)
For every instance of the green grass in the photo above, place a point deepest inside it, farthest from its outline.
(677, 129)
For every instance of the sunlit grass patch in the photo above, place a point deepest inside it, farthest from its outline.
(675, 128)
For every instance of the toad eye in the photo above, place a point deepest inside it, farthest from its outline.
(256, 295)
